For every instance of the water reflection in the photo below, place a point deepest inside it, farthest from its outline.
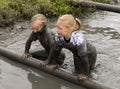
(12, 77)
(106, 23)
(49, 82)
(29, 78)
(43, 83)
(104, 19)
(105, 31)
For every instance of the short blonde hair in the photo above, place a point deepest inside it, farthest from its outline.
(39, 17)
(70, 21)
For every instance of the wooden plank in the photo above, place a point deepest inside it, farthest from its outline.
(97, 5)
(61, 73)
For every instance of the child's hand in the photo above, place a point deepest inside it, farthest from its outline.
(42, 64)
(26, 55)
(82, 77)
(53, 67)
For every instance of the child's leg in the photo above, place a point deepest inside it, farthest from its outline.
(61, 58)
(92, 55)
(42, 55)
(82, 64)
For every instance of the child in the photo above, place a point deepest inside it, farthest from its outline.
(44, 35)
(68, 37)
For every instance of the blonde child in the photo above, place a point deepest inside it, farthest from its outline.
(69, 37)
(41, 32)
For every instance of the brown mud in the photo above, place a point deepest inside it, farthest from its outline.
(101, 28)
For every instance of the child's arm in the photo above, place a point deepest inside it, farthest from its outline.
(27, 45)
(54, 53)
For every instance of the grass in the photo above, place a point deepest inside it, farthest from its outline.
(4, 2)
(24, 9)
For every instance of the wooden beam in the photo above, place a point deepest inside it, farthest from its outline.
(61, 73)
(97, 5)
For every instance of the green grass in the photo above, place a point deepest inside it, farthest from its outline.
(13, 10)
(4, 2)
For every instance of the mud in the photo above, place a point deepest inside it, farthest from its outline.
(101, 28)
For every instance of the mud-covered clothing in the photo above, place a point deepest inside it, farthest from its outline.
(92, 55)
(46, 39)
(78, 46)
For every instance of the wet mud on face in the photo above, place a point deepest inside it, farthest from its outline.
(100, 28)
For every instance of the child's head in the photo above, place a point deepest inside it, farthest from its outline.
(67, 24)
(38, 21)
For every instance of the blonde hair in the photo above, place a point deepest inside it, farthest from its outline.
(39, 17)
(70, 21)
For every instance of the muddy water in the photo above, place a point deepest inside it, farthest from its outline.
(101, 28)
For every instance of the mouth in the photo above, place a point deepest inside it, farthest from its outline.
(59, 34)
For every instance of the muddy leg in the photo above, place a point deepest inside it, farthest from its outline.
(42, 55)
(61, 59)
(92, 56)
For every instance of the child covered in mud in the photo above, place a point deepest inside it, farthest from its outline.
(69, 37)
(41, 32)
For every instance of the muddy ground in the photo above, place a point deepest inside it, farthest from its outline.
(101, 28)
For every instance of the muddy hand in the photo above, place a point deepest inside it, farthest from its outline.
(24, 56)
(42, 65)
(53, 67)
(82, 77)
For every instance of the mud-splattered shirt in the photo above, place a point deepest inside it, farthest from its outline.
(46, 38)
(77, 45)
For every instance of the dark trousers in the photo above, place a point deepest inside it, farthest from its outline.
(92, 56)
(85, 63)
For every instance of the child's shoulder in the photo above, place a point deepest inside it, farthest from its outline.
(78, 37)
(77, 34)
